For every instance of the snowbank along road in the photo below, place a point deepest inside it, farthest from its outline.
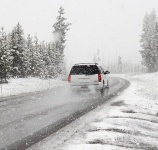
(27, 120)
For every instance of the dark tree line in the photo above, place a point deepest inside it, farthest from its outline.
(149, 42)
(23, 57)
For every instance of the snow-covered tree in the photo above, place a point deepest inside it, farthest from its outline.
(17, 47)
(60, 30)
(20, 57)
(30, 54)
(44, 59)
(149, 41)
(5, 58)
(35, 62)
(38, 58)
(155, 46)
(52, 59)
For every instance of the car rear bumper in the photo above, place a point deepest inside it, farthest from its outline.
(97, 84)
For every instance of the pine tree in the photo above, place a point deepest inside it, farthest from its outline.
(60, 29)
(155, 46)
(52, 66)
(38, 58)
(5, 58)
(44, 60)
(17, 47)
(29, 53)
(148, 41)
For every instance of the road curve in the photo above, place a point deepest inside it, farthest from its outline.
(28, 119)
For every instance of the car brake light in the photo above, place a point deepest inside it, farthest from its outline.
(99, 77)
(69, 78)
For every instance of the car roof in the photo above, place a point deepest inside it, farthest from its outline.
(85, 64)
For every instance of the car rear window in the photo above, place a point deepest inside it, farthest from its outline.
(84, 69)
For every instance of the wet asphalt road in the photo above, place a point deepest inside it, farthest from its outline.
(28, 119)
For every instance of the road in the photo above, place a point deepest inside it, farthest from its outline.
(28, 119)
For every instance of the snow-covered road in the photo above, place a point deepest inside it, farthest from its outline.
(30, 118)
(126, 122)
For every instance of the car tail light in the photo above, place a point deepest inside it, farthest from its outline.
(99, 77)
(69, 78)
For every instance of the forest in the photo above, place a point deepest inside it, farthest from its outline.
(24, 57)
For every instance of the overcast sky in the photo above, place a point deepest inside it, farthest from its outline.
(112, 26)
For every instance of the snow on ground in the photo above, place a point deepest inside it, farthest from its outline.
(26, 85)
(129, 121)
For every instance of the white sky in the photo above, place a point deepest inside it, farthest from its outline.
(113, 26)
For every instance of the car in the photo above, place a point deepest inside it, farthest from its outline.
(88, 74)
